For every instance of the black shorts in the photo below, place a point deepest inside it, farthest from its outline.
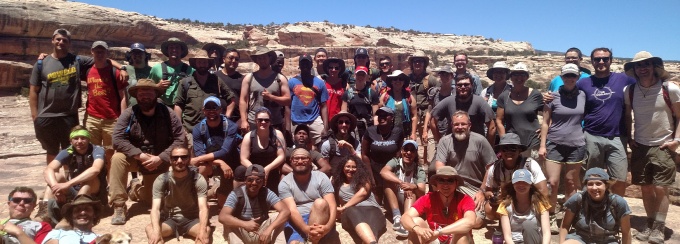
(180, 225)
(53, 132)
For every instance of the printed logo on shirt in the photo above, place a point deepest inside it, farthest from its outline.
(96, 86)
(61, 77)
(603, 94)
(384, 143)
(305, 94)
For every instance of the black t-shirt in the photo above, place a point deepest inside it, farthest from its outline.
(361, 102)
(380, 150)
(234, 82)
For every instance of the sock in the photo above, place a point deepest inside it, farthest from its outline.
(660, 217)
(396, 214)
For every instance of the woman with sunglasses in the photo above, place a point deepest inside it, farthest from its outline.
(359, 212)
(562, 138)
(264, 146)
(443, 216)
(596, 215)
(405, 183)
(381, 143)
(402, 102)
(524, 211)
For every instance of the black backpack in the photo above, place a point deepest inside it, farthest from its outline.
(241, 201)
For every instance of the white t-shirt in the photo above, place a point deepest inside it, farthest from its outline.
(653, 117)
(70, 236)
(506, 174)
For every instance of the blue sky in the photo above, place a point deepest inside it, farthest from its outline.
(624, 26)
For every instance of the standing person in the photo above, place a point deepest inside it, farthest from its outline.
(168, 74)
(309, 197)
(143, 139)
(380, 84)
(180, 205)
(518, 110)
(441, 124)
(215, 51)
(19, 228)
(232, 78)
(319, 57)
(442, 216)
(361, 100)
(381, 143)
(420, 82)
(524, 211)
(308, 101)
(82, 215)
(138, 68)
(264, 88)
(341, 142)
(280, 62)
(359, 213)
(596, 214)
(361, 58)
(655, 105)
(336, 82)
(402, 102)
(562, 139)
(571, 56)
(461, 63)
(245, 214)
(499, 74)
(264, 145)
(405, 183)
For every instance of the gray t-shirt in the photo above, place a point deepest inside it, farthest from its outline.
(603, 222)
(413, 175)
(257, 86)
(251, 206)
(469, 158)
(653, 117)
(522, 119)
(480, 112)
(340, 152)
(566, 116)
(179, 202)
(304, 193)
(59, 85)
(29, 227)
(346, 193)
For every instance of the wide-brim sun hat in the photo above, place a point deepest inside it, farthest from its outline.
(398, 74)
(351, 117)
(202, 54)
(211, 46)
(334, 60)
(520, 68)
(498, 65)
(447, 171)
(510, 139)
(260, 50)
(418, 54)
(80, 200)
(642, 56)
(174, 40)
(145, 83)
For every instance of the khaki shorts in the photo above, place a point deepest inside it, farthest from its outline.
(652, 165)
(100, 131)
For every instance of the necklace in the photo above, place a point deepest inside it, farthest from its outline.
(82, 234)
(644, 90)
(445, 209)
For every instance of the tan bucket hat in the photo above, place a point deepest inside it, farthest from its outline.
(202, 54)
(659, 70)
(145, 83)
(260, 50)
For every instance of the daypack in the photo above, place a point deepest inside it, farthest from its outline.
(205, 133)
(666, 98)
(241, 202)
(583, 204)
(78, 78)
(183, 73)
(334, 159)
(352, 89)
(186, 83)
(166, 189)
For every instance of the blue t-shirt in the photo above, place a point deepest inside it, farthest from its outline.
(306, 101)
(557, 81)
(604, 103)
(215, 140)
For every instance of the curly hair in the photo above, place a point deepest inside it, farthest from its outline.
(508, 196)
(360, 179)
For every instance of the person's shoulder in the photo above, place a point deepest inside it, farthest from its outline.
(476, 137)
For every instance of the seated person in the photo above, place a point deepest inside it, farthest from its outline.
(524, 211)
(181, 193)
(301, 139)
(245, 214)
(311, 215)
(82, 214)
(264, 145)
(405, 181)
(361, 215)
(500, 172)
(448, 215)
(340, 141)
(19, 228)
(85, 173)
(596, 215)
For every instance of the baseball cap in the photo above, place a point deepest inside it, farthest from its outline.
(100, 44)
(410, 142)
(301, 127)
(570, 69)
(258, 168)
(361, 69)
(596, 174)
(360, 51)
(137, 46)
(522, 175)
(387, 110)
(305, 57)
(212, 99)
(279, 54)
(62, 32)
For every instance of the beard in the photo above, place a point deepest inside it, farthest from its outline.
(302, 171)
(146, 104)
(461, 136)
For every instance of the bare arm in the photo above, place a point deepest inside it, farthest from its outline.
(387, 174)
(625, 230)
(230, 107)
(414, 115)
(491, 133)
(545, 227)
(500, 115)
(359, 196)
(547, 119)
(33, 101)
(506, 228)
(324, 116)
(462, 226)
(243, 101)
(203, 218)
(280, 154)
(245, 150)
(324, 166)
(50, 173)
(89, 174)
(123, 100)
(566, 224)
(226, 217)
(284, 99)
(296, 218)
(343, 107)
(156, 216)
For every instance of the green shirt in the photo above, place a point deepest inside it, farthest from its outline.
(156, 74)
(134, 75)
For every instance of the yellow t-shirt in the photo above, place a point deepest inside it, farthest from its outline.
(503, 211)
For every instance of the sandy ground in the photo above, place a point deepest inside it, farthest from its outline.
(22, 161)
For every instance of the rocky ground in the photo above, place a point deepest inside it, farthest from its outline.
(22, 161)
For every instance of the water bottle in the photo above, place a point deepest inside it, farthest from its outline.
(497, 237)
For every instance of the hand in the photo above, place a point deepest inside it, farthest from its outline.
(409, 195)
(632, 143)
(317, 232)
(404, 185)
(202, 238)
(163, 84)
(60, 196)
(152, 163)
(542, 152)
(547, 97)
(424, 233)
(42, 56)
(252, 225)
(11, 229)
(143, 157)
(346, 145)
(266, 236)
(423, 137)
(245, 126)
(60, 187)
(156, 238)
(228, 172)
(266, 95)
(340, 210)
(413, 136)
(671, 145)
(123, 75)
(479, 200)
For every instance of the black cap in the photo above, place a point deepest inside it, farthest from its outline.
(304, 57)
(361, 51)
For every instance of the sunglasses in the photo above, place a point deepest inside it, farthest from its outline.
(510, 148)
(446, 180)
(418, 61)
(408, 149)
(334, 68)
(345, 122)
(256, 180)
(570, 75)
(18, 200)
(643, 64)
(518, 74)
(463, 84)
(385, 64)
(212, 109)
(183, 157)
(263, 120)
(604, 60)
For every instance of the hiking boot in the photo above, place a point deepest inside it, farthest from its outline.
(554, 227)
(119, 214)
(644, 234)
(42, 215)
(135, 186)
(656, 236)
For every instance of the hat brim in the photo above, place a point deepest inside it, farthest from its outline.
(209, 46)
(407, 82)
(334, 60)
(631, 65)
(459, 179)
(95, 205)
(185, 48)
(271, 54)
(410, 59)
(192, 61)
(352, 119)
(133, 90)
(489, 73)
(499, 146)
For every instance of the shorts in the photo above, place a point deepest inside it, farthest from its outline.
(586, 240)
(608, 153)
(652, 165)
(239, 235)
(370, 215)
(565, 154)
(100, 131)
(180, 225)
(292, 233)
(53, 132)
(315, 129)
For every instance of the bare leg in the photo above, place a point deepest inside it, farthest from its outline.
(619, 188)
(572, 181)
(554, 172)
(90, 187)
(165, 231)
(391, 196)
(320, 213)
(194, 231)
(365, 233)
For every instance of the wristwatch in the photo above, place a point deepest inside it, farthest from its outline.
(123, 68)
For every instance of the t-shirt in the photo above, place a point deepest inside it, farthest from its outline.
(215, 141)
(557, 81)
(604, 104)
(306, 100)
(602, 221)
(653, 118)
(251, 206)
(517, 219)
(191, 100)
(443, 125)
(234, 82)
(70, 236)
(488, 94)
(339, 152)
(566, 116)
(179, 202)
(505, 175)
(304, 193)
(469, 157)
(522, 119)
(272, 84)
(477, 108)
(156, 74)
(134, 75)
(82, 162)
(33, 229)
(361, 104)
(419, 89)
(382, 150)
(413, 174)
(346, 192)
(334, 102)
(430, 205)
(102, 99)
(59, 85)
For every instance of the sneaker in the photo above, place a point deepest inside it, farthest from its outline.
(554, 228)
(396, 224)
(656, 236)
(401, 232)
(135, 186)
(644, 234)
(213, 189)
(119, 214)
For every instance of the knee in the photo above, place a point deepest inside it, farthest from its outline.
(118, 159)
(320, 205)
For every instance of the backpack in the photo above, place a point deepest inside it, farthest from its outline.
(77, 64)
(166, 189)
(205, 132)
(666, 98)
(186, 83)
(583, 204)
(183, 73)
(352, 89)
(498, 168)
(241, 202)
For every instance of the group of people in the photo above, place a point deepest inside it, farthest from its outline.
(440, 153)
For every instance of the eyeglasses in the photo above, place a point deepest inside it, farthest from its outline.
(510, 148)
(446, 180)
(18, 200)
(643, 64)
(570, 75)
(256, 180)
(385, 64)
(333, 67)
(463, 84)
(263, 120)
(341, 122)
(176, 157)
(604, 60)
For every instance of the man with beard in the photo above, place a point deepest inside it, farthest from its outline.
(572, 56)
(319, 56)
(308, 101)
(380, 84)
(143, 138)
(180, 202)
(82, 214)
(470, 154)
(301, 139)
(168, 74)
(232, 78)
(250, 222)
(215, 148)
(309, 197)
(475, 106)
(461, 62)
(138, 68)
(19, 228)
(215, 51)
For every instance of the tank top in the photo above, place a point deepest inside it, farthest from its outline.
(257, 86)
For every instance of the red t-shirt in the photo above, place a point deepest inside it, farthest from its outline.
(334, 102)
(102, 101)
(431, 206)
